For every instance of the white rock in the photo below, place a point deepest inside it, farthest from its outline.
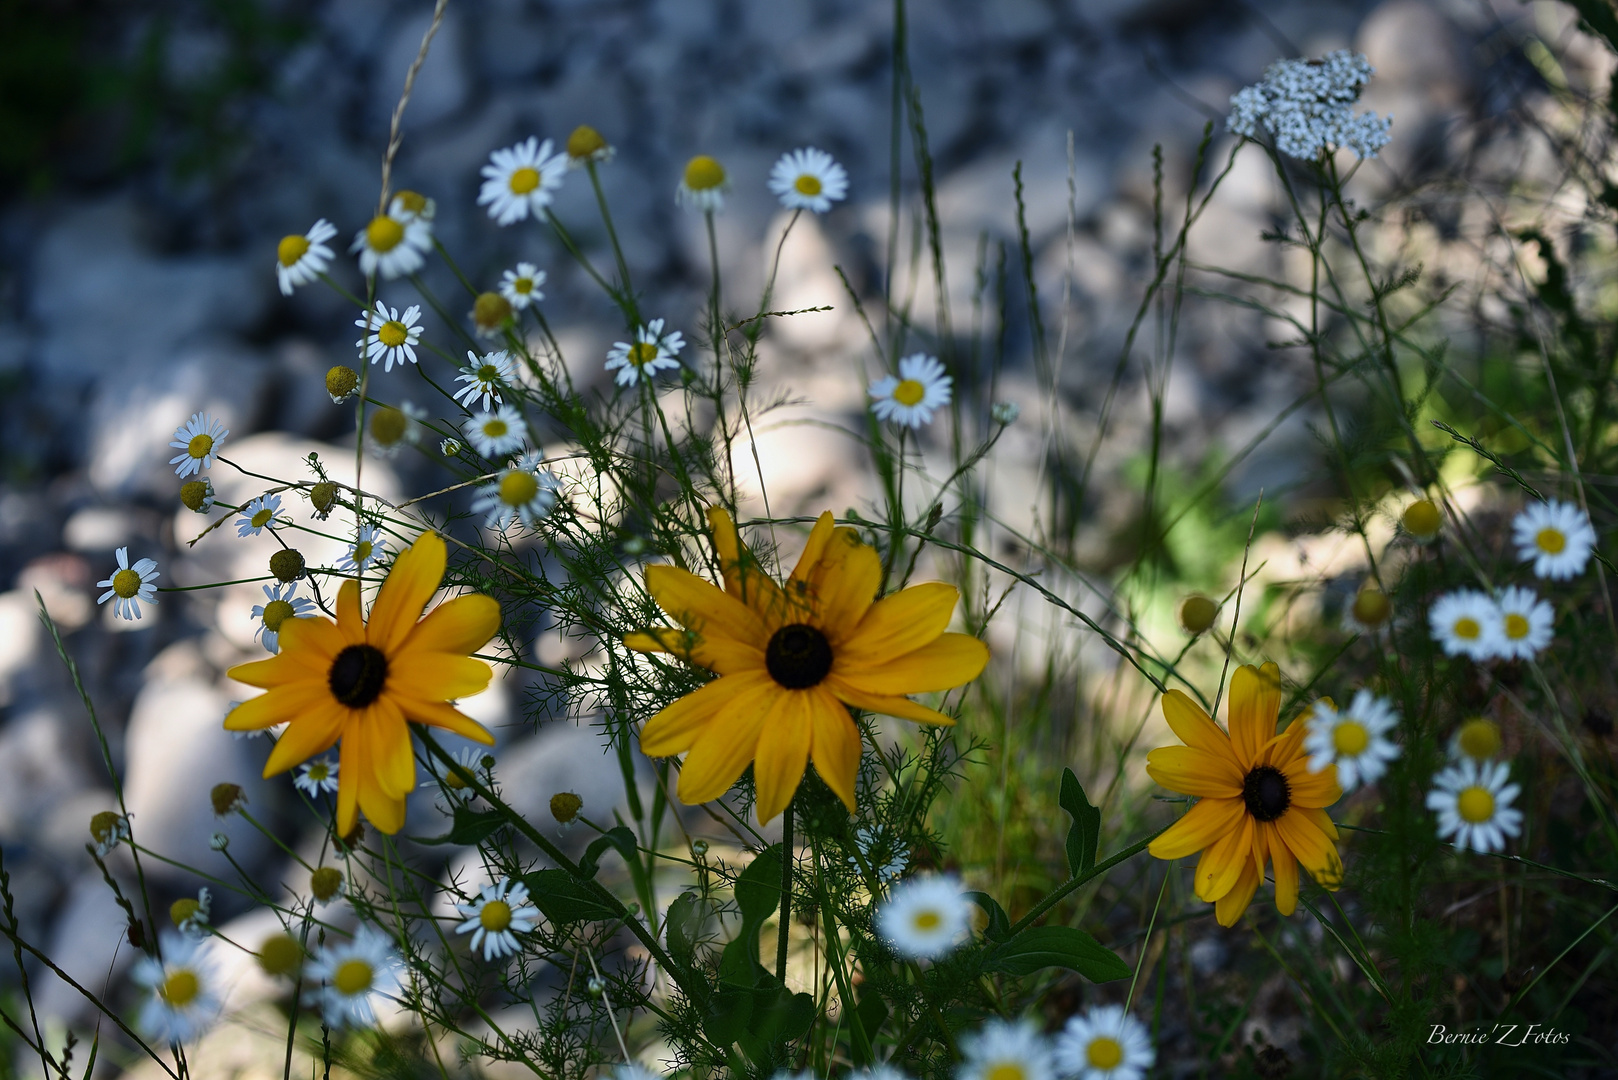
(87, 943)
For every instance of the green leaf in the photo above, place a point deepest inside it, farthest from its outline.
(620, 838)
(1085, 834)
(682, 925)
(999, 927)
(873, 1013)
(563, 899)
(758, 888)
(1058, 946)
(468, 827)
(728, 1014)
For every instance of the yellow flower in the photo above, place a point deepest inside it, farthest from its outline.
(364, 682)
(1257, 798)
(791, 659)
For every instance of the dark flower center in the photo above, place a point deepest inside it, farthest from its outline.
(357, 675)
(798, 656)
(1266, 793)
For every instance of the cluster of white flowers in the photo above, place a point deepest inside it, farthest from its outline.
(1307, 106)
(1514, 625)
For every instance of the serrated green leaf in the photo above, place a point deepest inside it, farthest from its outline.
(1058, 946)
(1084, 836)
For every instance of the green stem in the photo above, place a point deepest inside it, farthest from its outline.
(786, 893)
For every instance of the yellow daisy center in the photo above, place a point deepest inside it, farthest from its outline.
(909, 392)
(455, 777)
(413, 202)
(1467, 627)
(495, 916)
(126, 583)
(1479, 739)
(341, 381)
(524, 285)
(703, 173)
(1516, 626)
(585, 141)
(1006, 1070)
(807, 184)
(291, 249)
(1104, 1052)
(1475, 805)
(319, 771)
(488, 373)
(927, 920)
(1350, 738)
(1197, 613)
(326, 883)
(276, 612)
(181, 988)
(1422, 518)
(490, 310)
(362, 550)
(524, 180)
(1551, 541)
(388, 426)
(383, 234)
(496, 428)
(642, 353)
(393, 333)
(518, 488)
(1371, 608)
(353, 977)
(280, 954)
(183, 909)
(262, 518)
(200, 446)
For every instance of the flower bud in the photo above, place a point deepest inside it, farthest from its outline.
(219, 841)
(1197, 613)
(341, 382)
(280, 954)
(226, 799)
(197, 495)
(287, 564)
(1005, 412)
(586, 144)
(490, 312)
(699, 849)
(323, 497)
(596, 986)
(326, 883)
(1422, 520)
(565, 806)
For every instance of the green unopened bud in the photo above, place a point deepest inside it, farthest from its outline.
(1197, 613)
(341, 382)
(197, 495)
(280, 954)
(287, 564)
(326, 883)
(323, 496)
(699, 848)
(565, 806)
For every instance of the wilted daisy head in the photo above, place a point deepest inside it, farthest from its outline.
(280, 604)
(1422, 519)
(585, 145)
(1478, 738)
(1369, 612)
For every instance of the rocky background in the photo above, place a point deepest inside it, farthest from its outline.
(159, 151)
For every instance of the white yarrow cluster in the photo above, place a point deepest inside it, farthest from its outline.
(1307, 106)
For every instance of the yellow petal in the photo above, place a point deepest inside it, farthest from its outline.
(842, 586)
(701, 606)
(1255, 702)
(885, 704)
(745, 581)
(1221, 865)
(948, 662)
(436, 676)
(1307, 842)
(388, 815)
(276, 671)
(390, 741)
(719, 654)
(1322, 821)
(314, 732)
(727, 744)
(815, 548)
(440, 715)
(1198, 828)
(1229, 907)
(349, 618)
(409, 585)
(315, 640)
(1311, 790)
(901, 623)
(783, 752)
(462, 625)
(675, 729)
(351, 758)
(1193, 772)
(1286, 877)
(1194, 727)
(835, 748)
(281, 704)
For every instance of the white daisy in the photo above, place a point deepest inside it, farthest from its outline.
(316, 776)
(185, 999)
(108, 830)
(652, 351)
(395, 244)
(189, 916)
(1478, 739)
(368, 546)
(925, 916)
(1355, 739)
(1557, 536)
(882, 851)
(301, 259)
(407, 204)
(521, 180)
(1005, 1050)
(262, 513)
(703, 185)
(497, 916)
(470, 762)
(585, 145)
(910, 398)
(808, 179)
(199, 442)
(521, 493)
(279, 606)
(1526, 624)
(129, 586)
(1369, 612)
(1473, 804)
(350, 974)
(392, 429)
(1105, 1043)
(520, 287)
(498, 433)
(484, 376)
(389, 335)
(1465, 623)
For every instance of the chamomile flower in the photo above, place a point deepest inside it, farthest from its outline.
(408, 204)
(703, 185)
(317, 775)
(130, 586)
(301, 259)
(491, 314)
(910, 398)
(279, 605)
(1557, 536)
(390, 336)
(108, 830)
(368, 546)
(393, 429)
(1473, 804)
(585, 145)
(652, 351)
(496, 434)
(394, 244)
(882, 852)
(470, 763)
(190, 917)
(198, 442)
(1355, 739)
(1478, 739)
(520, 287)
(1105, 1043)
(484, 376)
(497, 916)
(522, 493)
(520, 180)
(1005, 1050)
(1465, 623)
(351, 975)
(262, 513)
(1369, 612)
(808, 179)
(185, 999)
(1526, 624)
(924, 916)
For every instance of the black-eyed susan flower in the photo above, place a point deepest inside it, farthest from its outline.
(1556, 536)
(792, 659)
(301, 259)
(394, 244)
(391, 336)
(497, 916)
(808, 179)
(1354, 739)
(525, 493)
(498, 433)
(520, 287)
(703, 185)
(130, 586)
(910, 398)
(1473, 803)
(198, 442)
(364, 682)
(186, 995)
(1257, 799)
(521, 180)
(351, 974)
(1104, 1043)
(280, 604)
(925, 917)
(652, 351)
